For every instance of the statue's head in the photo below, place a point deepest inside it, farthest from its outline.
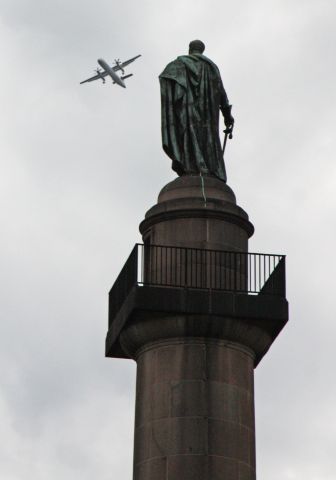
(196, 46)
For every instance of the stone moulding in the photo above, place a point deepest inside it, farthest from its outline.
(251, 320)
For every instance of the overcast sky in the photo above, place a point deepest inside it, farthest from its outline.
(80, 165)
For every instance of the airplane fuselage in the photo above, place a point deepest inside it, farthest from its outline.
(115, 77)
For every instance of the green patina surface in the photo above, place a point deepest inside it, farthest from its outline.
(192, 95)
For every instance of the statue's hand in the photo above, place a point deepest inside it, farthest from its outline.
(228, 120)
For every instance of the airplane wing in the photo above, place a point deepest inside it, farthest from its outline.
(124, 64)
(96, 77)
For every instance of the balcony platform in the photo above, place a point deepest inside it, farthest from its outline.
(203, 313)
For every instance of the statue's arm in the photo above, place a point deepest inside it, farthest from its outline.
(225, 106)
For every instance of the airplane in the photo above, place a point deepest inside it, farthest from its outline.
(111, 71)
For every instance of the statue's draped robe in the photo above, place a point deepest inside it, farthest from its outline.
(192, 94)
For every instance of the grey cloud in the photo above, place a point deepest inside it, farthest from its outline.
(80, 164)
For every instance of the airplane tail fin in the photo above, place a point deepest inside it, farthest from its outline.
(127, 76)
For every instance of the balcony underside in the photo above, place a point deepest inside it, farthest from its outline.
(265, 315)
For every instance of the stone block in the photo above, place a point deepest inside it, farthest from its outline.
(160, 402)
(220, 468)
(154, 469)
(246, 472)
(142, 443)
(230, 365)
(241, 370)
(188, 398)
(223, 401)
(187, 467)
(143, 408)
(246, 409)
(217, 363)
(251, 447)
(145, 370)
(229, 440)
(183, 361)
(153, 403)
(173, 436)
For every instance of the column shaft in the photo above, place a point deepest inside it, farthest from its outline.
(194, 411)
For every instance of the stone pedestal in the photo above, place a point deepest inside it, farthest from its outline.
(199, 212)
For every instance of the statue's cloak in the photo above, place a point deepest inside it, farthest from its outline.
(192, 94)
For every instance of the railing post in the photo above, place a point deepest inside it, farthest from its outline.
(235, 256)
(185, 267)
(136, 264)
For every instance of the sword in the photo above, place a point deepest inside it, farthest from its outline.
(228, 133)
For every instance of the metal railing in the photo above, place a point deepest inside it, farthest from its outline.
(182, 267)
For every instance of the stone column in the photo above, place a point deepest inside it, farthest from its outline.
(196, 347)
(194, 402)
(194, 410)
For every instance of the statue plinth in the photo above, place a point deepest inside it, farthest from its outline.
(200, 212)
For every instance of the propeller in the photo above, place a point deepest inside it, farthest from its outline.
(118, 63)
(98, 72)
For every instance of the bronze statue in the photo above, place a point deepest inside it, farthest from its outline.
(192, 94)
